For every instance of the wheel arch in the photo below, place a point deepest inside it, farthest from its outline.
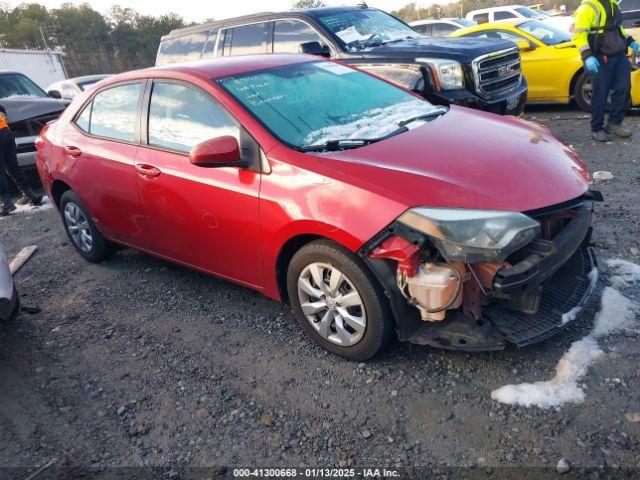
(58, 187)
(574, 80)
(286, 253)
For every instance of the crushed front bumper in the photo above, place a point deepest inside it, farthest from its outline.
(565, 294)
(553, 280)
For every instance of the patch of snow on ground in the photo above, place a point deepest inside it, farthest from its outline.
(627, 271)
(571, 315)
(616, 313)
(22, 209)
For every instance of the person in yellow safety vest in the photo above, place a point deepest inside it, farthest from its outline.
(603, 44)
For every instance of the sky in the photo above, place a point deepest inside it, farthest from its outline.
(198, 10)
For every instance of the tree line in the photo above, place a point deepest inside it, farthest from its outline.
(121, 40)
(124, 39)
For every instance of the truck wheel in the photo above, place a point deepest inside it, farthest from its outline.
(81, 230)
(338, 302)
(582, 92)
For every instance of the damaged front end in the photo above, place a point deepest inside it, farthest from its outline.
(476, 280)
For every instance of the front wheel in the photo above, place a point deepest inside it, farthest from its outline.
(338, 302)
(82, 231)
(582, 92)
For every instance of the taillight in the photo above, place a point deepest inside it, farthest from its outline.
(38, 140)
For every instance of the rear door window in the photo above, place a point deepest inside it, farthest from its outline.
(246, 40)
(113, 114)
(481, 18)
(181, 117)
(289, 34)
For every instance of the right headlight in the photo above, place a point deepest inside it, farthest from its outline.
(449, 72)
(472, 235)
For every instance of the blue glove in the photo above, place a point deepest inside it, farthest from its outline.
(592, 65)
(636, 47)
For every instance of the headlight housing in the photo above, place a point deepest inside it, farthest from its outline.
(472, 236)
(449, 72)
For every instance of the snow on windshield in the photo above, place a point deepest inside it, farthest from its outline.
(372, 123)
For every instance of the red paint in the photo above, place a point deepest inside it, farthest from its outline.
(218, 150)
(233, 222)
(400, 250)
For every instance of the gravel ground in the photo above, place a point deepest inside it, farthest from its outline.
(137, 362)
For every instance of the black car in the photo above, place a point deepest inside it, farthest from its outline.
(479, 73)
(29, 108)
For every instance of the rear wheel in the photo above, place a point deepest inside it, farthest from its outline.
(82, 231)
(338, 302)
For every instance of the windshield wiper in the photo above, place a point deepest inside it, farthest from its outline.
(387, 42)
(424, 116)
(332, 145)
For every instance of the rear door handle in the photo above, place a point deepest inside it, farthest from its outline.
(146, 170)
(72, 151)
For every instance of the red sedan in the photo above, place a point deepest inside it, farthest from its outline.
(376, 214)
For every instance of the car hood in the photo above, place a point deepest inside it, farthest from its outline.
(19, 109)
(468, 159)
(462, 50)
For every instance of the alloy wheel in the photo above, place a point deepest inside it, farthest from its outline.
(331, 304)
(78, 227)
(587, 91)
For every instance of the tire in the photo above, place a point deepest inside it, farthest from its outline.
(582, 92)
(82, 231)
(355, 294)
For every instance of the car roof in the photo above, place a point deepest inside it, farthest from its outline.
(259, 17)
(494, 9)
(218, 67)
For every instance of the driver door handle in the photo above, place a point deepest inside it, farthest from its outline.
(72, 151)
(146, 170)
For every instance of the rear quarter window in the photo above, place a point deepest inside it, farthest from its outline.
(181, 49)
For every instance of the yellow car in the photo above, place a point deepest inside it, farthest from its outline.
(551, 62)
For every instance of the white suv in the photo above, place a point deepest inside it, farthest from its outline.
(493, 14)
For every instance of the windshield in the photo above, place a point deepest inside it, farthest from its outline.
(547, 34)
(311, 104)
(366, 28)
(15, 85)
(527, 12)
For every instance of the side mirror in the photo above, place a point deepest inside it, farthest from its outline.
(525, 46)
(218, 152)
(314, 48)
(55, 94)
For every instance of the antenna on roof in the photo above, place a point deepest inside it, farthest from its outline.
(363, 5)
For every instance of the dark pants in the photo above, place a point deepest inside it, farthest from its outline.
(614, 75)
(9, 164)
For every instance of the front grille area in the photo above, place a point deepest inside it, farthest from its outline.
(497, 73)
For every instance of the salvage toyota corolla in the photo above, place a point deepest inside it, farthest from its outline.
(373, 212)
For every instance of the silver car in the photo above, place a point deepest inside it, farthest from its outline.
(9, 302)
